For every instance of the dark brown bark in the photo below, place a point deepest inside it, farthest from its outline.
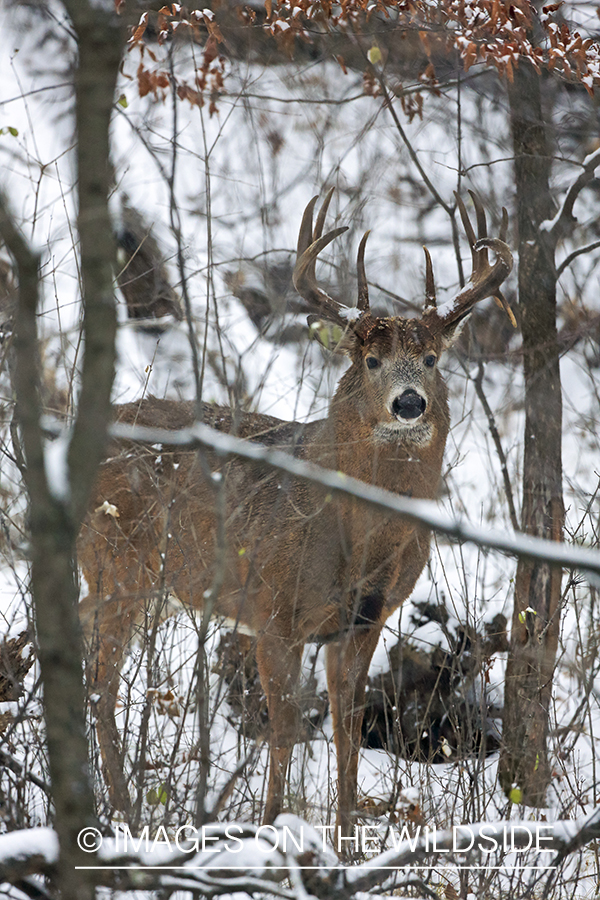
(100, 40)
(54, 590)
(54, 518)
(524, 757)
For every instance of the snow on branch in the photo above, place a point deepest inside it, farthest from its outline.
(423, 511)
(225, 858)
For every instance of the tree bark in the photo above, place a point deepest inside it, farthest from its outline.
(524, 769)
(55, 511)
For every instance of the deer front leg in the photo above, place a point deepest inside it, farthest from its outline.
(279, 661)
(107, 631)
(347, 671)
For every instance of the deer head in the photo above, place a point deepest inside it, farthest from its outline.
(393, 380)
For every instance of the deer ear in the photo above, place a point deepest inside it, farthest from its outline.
(452, 332)
(331, 336)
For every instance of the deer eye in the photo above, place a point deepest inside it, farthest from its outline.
(372, 362)
(430, 360)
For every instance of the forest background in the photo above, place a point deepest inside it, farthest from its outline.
(209, 130)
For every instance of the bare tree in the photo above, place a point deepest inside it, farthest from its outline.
(58, 499)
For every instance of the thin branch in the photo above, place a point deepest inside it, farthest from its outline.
(229, 785)
(566, 837)
(449, 210)
(569, 259)
(423, 511)
(564, 219)
(175, 220)
(9, 762)
(478, 382)
(411, 150)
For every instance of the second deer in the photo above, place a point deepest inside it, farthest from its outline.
(297, 566)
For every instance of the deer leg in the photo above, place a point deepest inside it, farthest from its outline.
(107, 630)
(279, 661)
(347, 671)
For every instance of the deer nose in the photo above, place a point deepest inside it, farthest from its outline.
(409, 405)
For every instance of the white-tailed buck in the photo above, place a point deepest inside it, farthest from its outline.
(298, 565)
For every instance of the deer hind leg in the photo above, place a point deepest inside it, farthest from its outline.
(107, 625)
(279, 661)
(347, 671)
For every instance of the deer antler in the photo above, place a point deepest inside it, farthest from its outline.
(310, 243)
(485, 278)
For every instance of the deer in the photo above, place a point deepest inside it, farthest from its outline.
(298, 566)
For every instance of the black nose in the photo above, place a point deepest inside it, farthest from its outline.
(409, 405)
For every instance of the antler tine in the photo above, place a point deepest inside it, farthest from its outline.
(363, 287)
(305, 235)
(504, 225)
(430, 302)
(472, 239)
(304, 271)
(485, 279)
(482, 255)
(321, 215)
(310, 244)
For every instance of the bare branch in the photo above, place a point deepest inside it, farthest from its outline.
(7, 760)
(572, 256)
(478, 382)
(424, 511)
(564, 219)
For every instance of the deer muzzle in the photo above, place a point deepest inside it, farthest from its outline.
(409, 405)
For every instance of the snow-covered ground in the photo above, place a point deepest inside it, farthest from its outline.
(248, 172)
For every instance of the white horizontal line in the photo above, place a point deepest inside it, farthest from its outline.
(213, 868)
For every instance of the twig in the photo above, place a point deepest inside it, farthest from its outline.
(478, 382)
(424, 511)
(449, 210)
(569, 259)
(229, 785)
(564, 219)
(6, 759)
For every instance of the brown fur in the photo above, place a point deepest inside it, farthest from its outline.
(298, 566)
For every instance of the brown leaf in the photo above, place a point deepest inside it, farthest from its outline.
(144, 81)
(211, 51)
(138, 34)
(185, 92)
(425, 41)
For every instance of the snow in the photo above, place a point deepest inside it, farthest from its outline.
(55, 461)
(29, 842)
(255, 204)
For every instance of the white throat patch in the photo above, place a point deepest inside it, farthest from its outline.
(419, 434)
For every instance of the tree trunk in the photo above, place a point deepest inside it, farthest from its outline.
(55, 511)
(524, 769)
